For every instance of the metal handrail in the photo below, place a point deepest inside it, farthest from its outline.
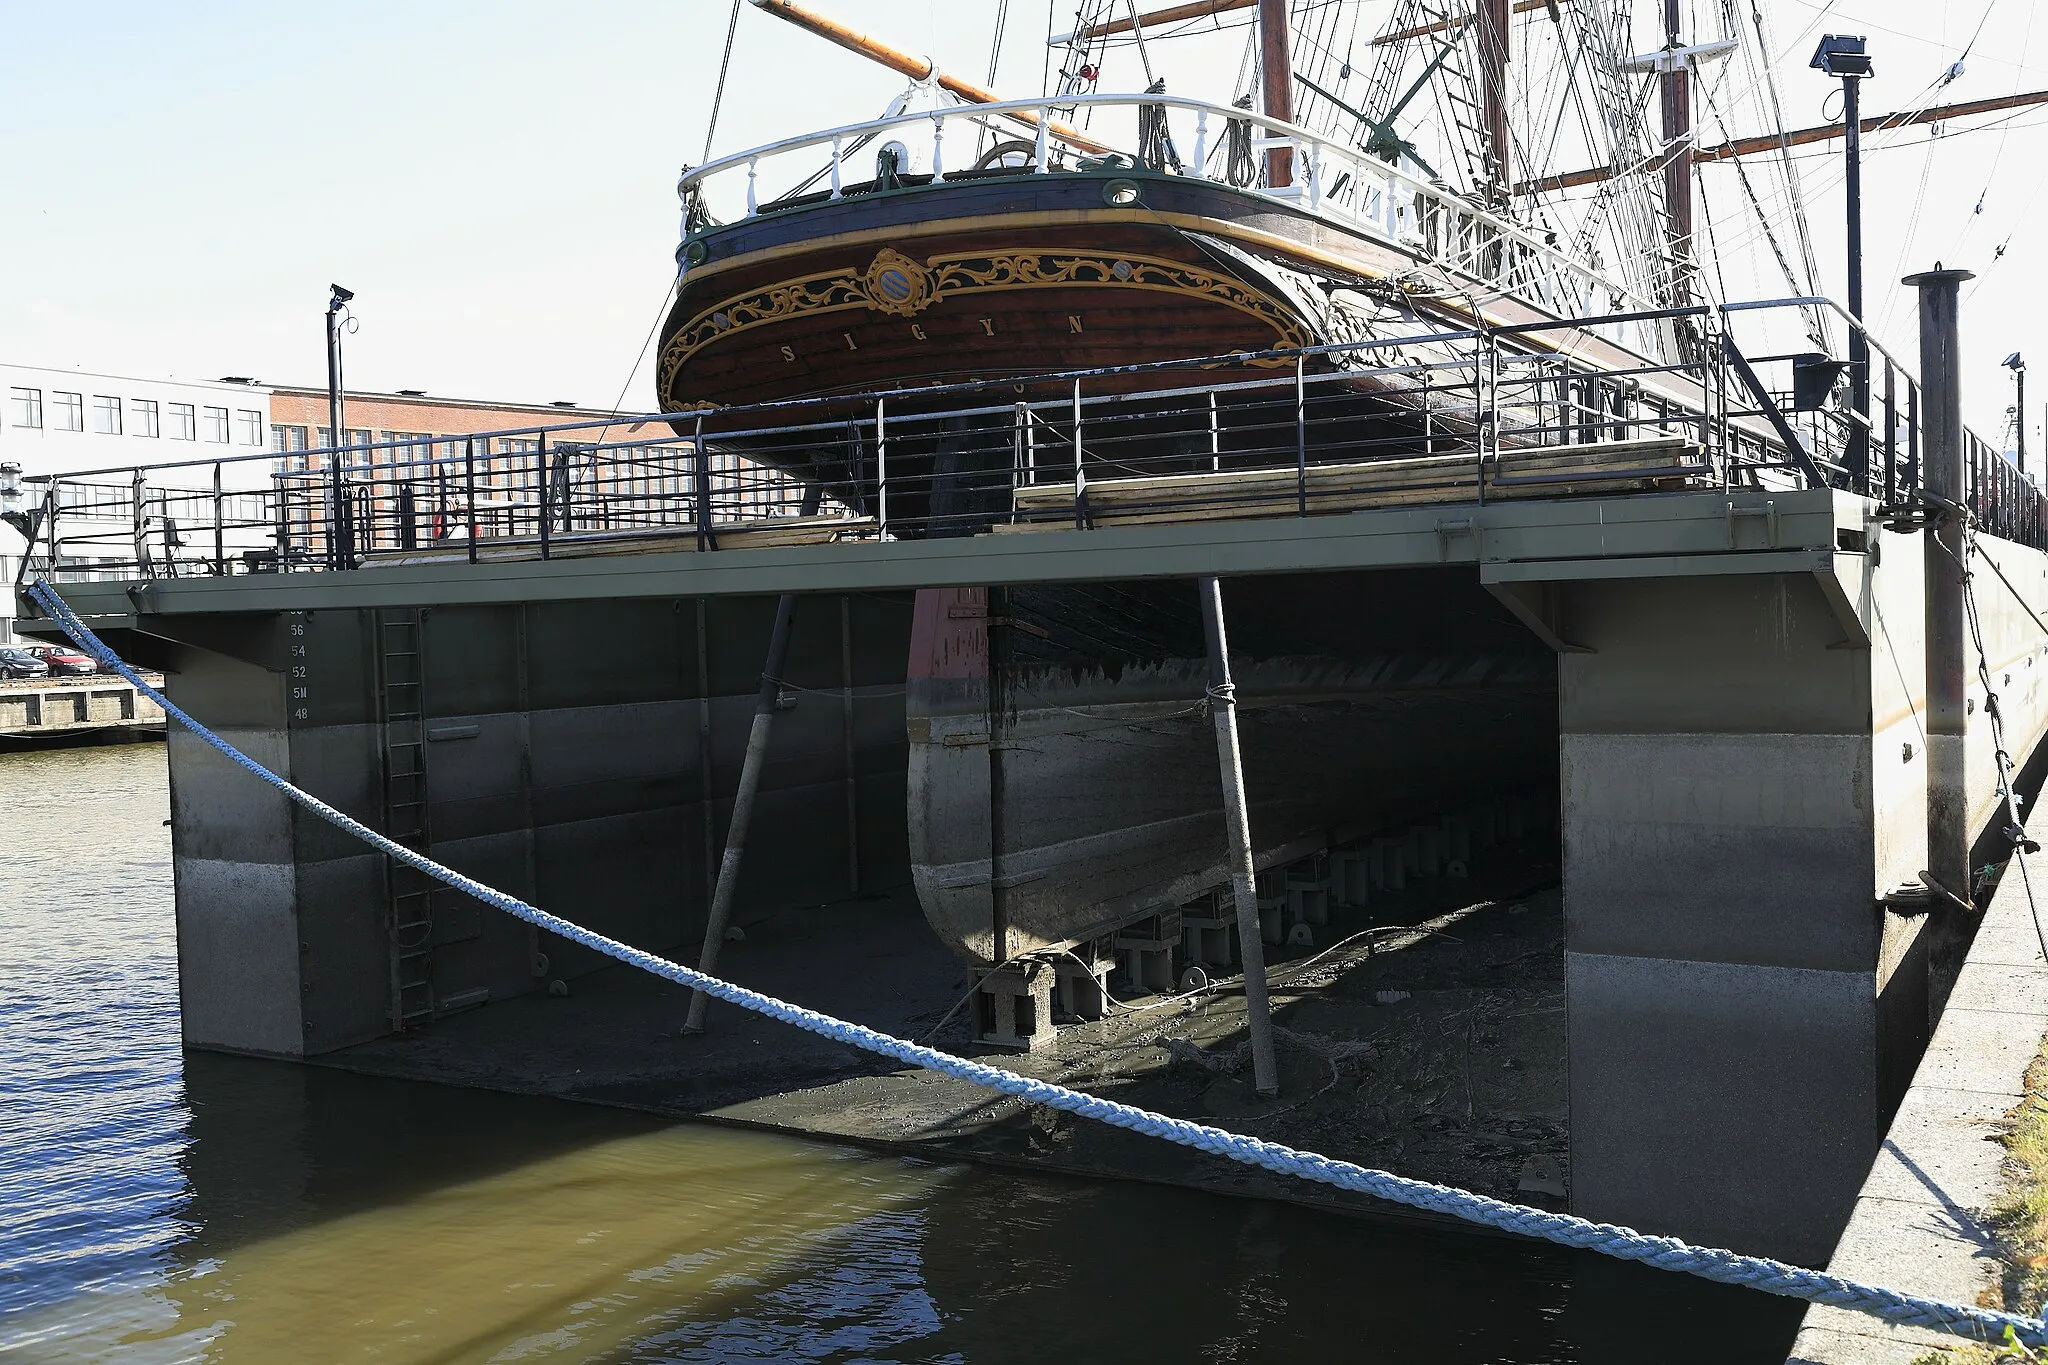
(1485, 404)
(1049, 377)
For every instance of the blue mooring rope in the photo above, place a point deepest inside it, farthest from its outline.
(1665, 1253)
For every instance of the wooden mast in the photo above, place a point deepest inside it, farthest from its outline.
(1491, 32)
(1676, 81)
(1195, 9)
(917, 68)
(1799, 137)
(1276, 81)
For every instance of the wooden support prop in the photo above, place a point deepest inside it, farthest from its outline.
(1237, 830)
(750, 783)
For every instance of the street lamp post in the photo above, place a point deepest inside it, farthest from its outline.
(2018, 367)
(337, 551)
(1843, 55)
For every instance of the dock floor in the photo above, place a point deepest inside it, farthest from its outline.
(1439, 1055)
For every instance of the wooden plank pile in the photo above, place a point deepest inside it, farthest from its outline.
(1658, 464)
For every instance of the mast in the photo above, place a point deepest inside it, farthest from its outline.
(1676, 80)
(1195, 9)
(1276, 81)
(1490, 35)
(1797, 137)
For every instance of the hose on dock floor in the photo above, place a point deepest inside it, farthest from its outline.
(1665, 1253)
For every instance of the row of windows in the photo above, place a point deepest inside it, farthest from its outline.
(394, 448)
(138, 417)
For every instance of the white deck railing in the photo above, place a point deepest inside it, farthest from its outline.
(1332, 181)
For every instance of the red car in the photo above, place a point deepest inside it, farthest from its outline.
(63, 660)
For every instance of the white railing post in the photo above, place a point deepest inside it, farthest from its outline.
(1201, 141)
(752, 205)
(1315, 176)
(1039, 151)
(835, 166)
(881, 469)
(938, 149)
(1080, 480)
(1215, 436)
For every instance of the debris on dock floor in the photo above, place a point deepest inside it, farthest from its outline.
(1434, 1047)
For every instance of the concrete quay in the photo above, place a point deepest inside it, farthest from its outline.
(52, 712)
(1920, 1222)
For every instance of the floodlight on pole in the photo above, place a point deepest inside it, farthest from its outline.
(1846, 57)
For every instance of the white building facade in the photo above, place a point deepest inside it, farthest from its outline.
(75, 422)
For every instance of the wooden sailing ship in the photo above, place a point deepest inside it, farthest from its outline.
(968, 239)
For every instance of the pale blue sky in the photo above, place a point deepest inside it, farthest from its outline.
(496, 181)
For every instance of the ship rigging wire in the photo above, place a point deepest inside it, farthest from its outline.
(732, 27)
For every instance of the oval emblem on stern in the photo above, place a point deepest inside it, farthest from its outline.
(894, 283)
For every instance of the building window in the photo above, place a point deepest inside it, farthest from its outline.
(251, 424)
(27, 405)
(217, 425)
(184, 427)
(284, 438)
(106, 415)
(142, 417)
(70, 410)
(326, 438)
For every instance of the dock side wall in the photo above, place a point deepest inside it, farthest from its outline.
(579, 755)
(1744, 775)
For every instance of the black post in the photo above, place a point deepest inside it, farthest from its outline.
(1948, 798)
(1846, 56)
(337, 299)
(706, 538)
(541, 458)
(469, 491)
(1891, 434)
(998, 607)
(2019, 412)
(1859, 340)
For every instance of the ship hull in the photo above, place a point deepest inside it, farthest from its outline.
(995, 281)
(1362, 703)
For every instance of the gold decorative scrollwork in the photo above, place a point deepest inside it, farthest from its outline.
(893, 283)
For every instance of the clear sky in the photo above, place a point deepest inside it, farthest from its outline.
(496, 180)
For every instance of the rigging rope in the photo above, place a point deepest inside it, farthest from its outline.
(732, 26)
(1663, 1253)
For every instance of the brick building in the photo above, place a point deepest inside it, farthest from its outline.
(420, 468)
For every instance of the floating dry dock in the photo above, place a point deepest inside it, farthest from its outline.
(1719, 646)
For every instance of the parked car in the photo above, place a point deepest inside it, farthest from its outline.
(19, 663)
(62, 660)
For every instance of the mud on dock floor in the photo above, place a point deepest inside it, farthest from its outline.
(1435, 1050)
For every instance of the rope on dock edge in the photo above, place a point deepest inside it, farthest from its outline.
(1664, 1253)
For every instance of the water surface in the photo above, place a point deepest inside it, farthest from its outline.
(163, 1206)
